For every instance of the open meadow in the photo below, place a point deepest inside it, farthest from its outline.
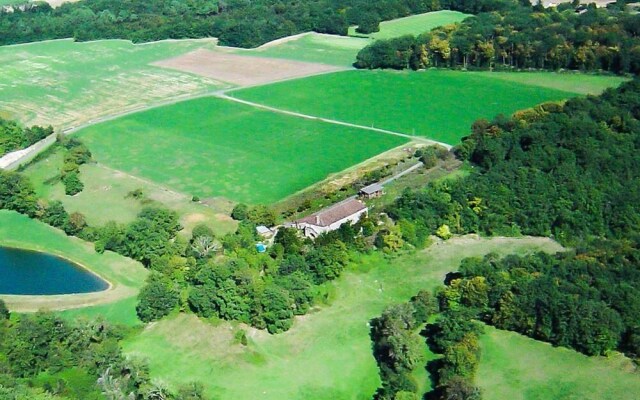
(327, 354)
(107, 196)
(516, 367)
(414, 24)
(231, 150)
(311, 47)
(437, 104)
(125, 275)
(67, 84)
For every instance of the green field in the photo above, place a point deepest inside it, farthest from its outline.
(314, 47)
(437, 104)
(569, 81)
(211, 147)
(66, 84)
(107, 189)
(126, 275)
(515, 367)
(415, 24)
(327, 354)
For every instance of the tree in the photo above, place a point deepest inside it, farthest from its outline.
(204, 246)
(156, 299)
(369, 23)
(459, 388)
(277, 309)
(4, 311)
(240, 212)
(72, 184)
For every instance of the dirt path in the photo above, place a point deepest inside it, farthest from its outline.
(224, 95)
(67, 301)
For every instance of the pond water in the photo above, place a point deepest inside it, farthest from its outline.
(27, 272)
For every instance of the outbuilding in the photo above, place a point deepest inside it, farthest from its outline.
(372, 191)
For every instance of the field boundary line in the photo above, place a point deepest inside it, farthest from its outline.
(225, 96)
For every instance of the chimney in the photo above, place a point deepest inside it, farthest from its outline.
(318, 220)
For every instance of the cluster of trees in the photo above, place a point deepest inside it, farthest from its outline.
(235, 22)
(518, 38)
(17, 194)
(398, 348)
(234, 282)
(587, 300)
(44, 357)
(76, 154)
(14, 137)
(569, 171)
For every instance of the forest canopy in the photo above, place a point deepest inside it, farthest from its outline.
(519, 38)
(235, 22)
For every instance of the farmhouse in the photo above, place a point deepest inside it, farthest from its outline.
(331, 218)
(371, 191)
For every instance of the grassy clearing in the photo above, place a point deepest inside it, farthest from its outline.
(568, 82)
(518, 368)
(107, 189)
(65, 84)
(314, 47)
(231, 150)
(437, 104)
(119, 312)
(125, 275)
(414, 24)
(327, 354)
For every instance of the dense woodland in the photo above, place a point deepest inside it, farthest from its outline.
(520, 38)
(567, 171)
(14, 137)
(237, 23)
(44, 357)
(399, 337)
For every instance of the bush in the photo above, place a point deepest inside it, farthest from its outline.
(72, 184)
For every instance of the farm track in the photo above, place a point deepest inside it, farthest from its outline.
(223, 95)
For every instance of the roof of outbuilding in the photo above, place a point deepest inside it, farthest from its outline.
(261, 229)
(334, 213)
(376, 187)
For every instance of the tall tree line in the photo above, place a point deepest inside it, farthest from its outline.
(520, 38)
(235, 22)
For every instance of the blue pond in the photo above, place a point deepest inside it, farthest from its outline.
(27, 272)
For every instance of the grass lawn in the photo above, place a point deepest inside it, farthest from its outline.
(327, 354)
(437, 104)
(314, 47)
(515, 367)
(414, 24)
(105, 196)
(119, 312)
(66, 84)
(126, 275)
(211, 147)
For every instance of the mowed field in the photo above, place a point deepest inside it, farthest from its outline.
(126, 275)
(437, 104)
(516, 367)
(414, 24)
(66, 84)
(327, 354)
(211, 147)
